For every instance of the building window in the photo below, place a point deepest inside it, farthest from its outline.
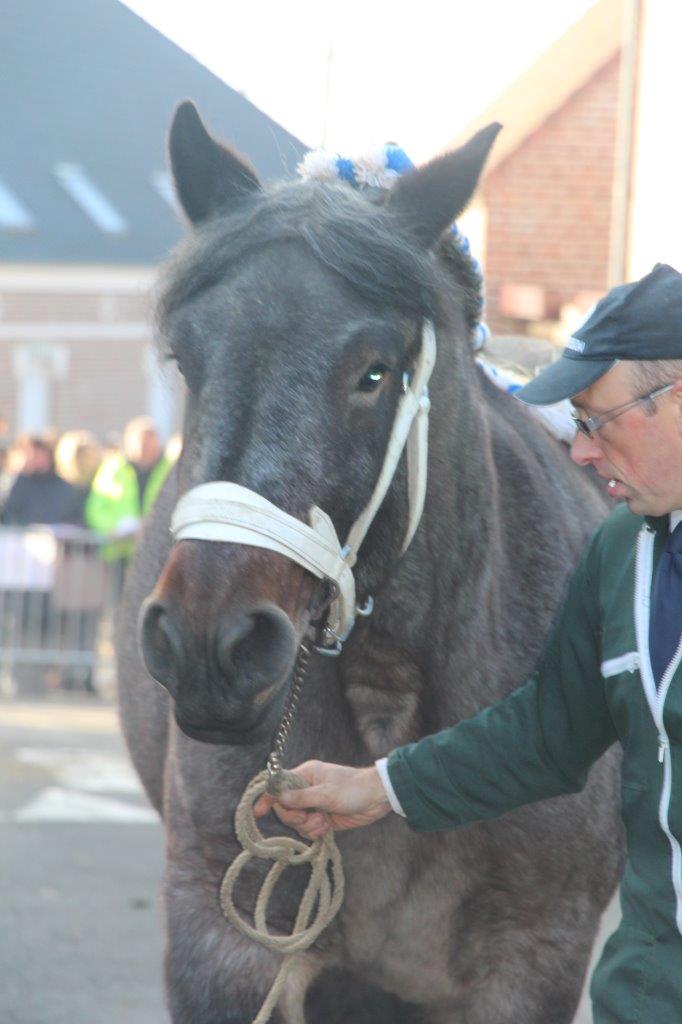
(160, 397)
(163, 185)
(91, 200)
(13, 214)
(36, 366)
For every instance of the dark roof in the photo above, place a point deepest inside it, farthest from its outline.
(89, 83)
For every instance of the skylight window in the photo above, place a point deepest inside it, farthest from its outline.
(13, 215)
(94, 203)
(161, 182)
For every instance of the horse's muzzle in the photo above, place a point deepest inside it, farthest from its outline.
(215, 634)
(251, 652)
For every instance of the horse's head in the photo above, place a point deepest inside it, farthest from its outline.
(294, 314)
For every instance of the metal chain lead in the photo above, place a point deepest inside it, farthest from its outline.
(274, 764)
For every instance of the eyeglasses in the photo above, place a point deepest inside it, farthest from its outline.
(592, 424)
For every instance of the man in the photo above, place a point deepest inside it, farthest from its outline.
(39, 494)
(125, 488)
(611, 671)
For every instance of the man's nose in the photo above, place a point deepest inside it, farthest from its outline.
(585, 450)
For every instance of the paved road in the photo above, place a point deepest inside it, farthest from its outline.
(80, 865)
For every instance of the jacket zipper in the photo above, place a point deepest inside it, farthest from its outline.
(656, 699)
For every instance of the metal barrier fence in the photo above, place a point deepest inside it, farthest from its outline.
(57, 602)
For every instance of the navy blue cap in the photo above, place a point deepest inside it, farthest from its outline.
(637, 321)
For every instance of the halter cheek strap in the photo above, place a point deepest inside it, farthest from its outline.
(411, 425)
(228, 512)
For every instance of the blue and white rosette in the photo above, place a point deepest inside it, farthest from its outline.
(380, 168)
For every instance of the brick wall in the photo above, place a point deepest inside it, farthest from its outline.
(50, 306)
(103, 339)
(549, 210)
(104, 388)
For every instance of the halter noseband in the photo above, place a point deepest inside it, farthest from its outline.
(227, 512)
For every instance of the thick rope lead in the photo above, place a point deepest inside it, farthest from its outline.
(323, 894)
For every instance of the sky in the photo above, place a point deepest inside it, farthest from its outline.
(353, 75)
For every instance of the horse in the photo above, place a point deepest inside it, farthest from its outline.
(295, 313)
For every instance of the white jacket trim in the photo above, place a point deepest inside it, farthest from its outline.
(623, 663)
(656, 698)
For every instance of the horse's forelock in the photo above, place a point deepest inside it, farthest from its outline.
(356, 238)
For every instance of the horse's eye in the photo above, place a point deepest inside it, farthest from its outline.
(371, 380)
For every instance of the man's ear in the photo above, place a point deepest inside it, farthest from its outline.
(209, 177)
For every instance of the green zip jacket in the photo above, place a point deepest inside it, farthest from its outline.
(594, 686)
(115, 496)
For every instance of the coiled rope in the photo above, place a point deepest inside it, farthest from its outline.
(323, 894)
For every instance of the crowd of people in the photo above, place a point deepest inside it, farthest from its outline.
(106, 488)
(94, 497)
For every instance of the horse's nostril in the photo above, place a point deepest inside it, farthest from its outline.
(254, 649)
(258, 648)
(160, 641)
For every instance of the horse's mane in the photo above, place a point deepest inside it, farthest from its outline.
(350, 234)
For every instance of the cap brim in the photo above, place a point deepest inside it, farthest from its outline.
(563, 379)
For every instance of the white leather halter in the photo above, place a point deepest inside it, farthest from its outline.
(227, 512)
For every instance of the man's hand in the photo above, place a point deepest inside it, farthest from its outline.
(351, 797)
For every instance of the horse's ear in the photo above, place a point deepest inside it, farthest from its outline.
(208, 176)
(429, 199)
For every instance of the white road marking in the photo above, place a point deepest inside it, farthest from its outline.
(78, 774)
(84, 770)
(53, 718)
(56, 804)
